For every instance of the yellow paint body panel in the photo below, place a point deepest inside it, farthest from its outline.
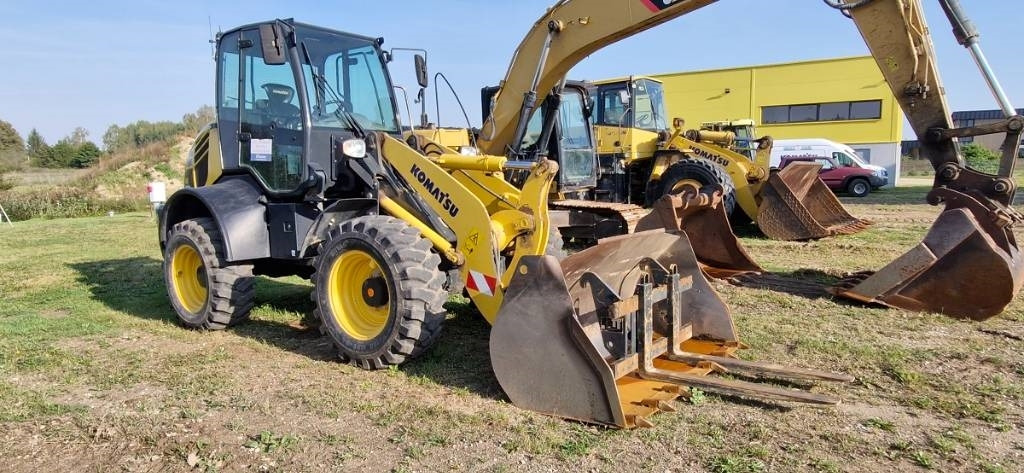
(204, 156)
(633, 144)
(461, 199)
(454, 138)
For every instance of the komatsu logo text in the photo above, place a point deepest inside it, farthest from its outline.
(432, 189)
(711, 157)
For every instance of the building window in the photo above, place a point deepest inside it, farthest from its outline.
(866, 110)
(822, 112)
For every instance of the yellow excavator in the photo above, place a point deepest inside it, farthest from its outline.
(968, 265)
(306, 172)
(651, 160)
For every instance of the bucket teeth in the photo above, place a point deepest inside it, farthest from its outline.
(659, 404)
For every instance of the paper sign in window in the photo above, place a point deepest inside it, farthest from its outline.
(261, 150)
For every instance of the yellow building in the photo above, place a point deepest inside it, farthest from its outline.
(843, 99)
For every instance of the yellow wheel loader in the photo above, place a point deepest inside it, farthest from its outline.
(654, 160)
(968, 264)
(306, 172)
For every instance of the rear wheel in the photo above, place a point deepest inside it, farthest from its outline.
(205, 292)
(696, 173)
(858, 187)
(378, 291)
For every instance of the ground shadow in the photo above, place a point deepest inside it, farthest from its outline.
(459, 358)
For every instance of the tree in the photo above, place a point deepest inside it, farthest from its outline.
(195, 121)
(87, 155)
(36, 147)
(79, 136)
(10, 140)
(61, 155)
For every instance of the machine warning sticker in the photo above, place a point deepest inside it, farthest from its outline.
(659, 5)
(261, 150)
(481, 283)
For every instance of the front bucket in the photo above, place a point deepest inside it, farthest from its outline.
(967, 266)
(617, 332)
(797, 205)
(702, 217)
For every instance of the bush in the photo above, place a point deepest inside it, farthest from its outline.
(60, 202)
(980, 158)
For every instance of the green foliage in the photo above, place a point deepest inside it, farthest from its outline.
(267, 442)
(36, 147)
(9, 138)
(61, 202)
(980, 158)
(140, 133)
(735, 464)
(87, 155)
(195, 121)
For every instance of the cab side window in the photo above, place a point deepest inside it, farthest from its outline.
(612, 111)
(826, 164)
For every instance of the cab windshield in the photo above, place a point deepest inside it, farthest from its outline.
(745, 141)
(345, 74)
(649, 105)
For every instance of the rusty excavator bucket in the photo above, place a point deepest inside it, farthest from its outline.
(967, 266)
(616, 332)
(797, 205)
(702, 217)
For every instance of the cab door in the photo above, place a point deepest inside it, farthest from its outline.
(269, 134)
(577, 158)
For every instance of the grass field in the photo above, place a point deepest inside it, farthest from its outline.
(95, 375)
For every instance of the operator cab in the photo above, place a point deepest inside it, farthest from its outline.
(289, 93)
(572, 139)
(632, 103)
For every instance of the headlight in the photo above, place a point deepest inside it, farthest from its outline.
(880, 172)
(469, 151)
(354, 148)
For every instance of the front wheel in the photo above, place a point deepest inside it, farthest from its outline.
(858, 187)
(378, 291)
(696, 174)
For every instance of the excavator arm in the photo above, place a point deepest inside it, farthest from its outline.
(969, 264)
(898, 38)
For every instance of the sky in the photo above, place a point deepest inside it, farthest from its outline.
(102, 62)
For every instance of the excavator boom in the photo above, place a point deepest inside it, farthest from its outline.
(567, 33)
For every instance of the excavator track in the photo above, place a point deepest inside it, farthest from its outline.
(627, 215)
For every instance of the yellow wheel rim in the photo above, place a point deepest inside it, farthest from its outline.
(356, 303)
(188, 276)
(684, 184)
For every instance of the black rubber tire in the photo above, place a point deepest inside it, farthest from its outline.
(230, 287)
(858, 187)
(701, 170)
(415, 290)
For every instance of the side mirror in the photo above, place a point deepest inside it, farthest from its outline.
(272, 44)
(421, 71)
(624, 97)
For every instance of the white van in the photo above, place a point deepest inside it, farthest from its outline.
(821, 147)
